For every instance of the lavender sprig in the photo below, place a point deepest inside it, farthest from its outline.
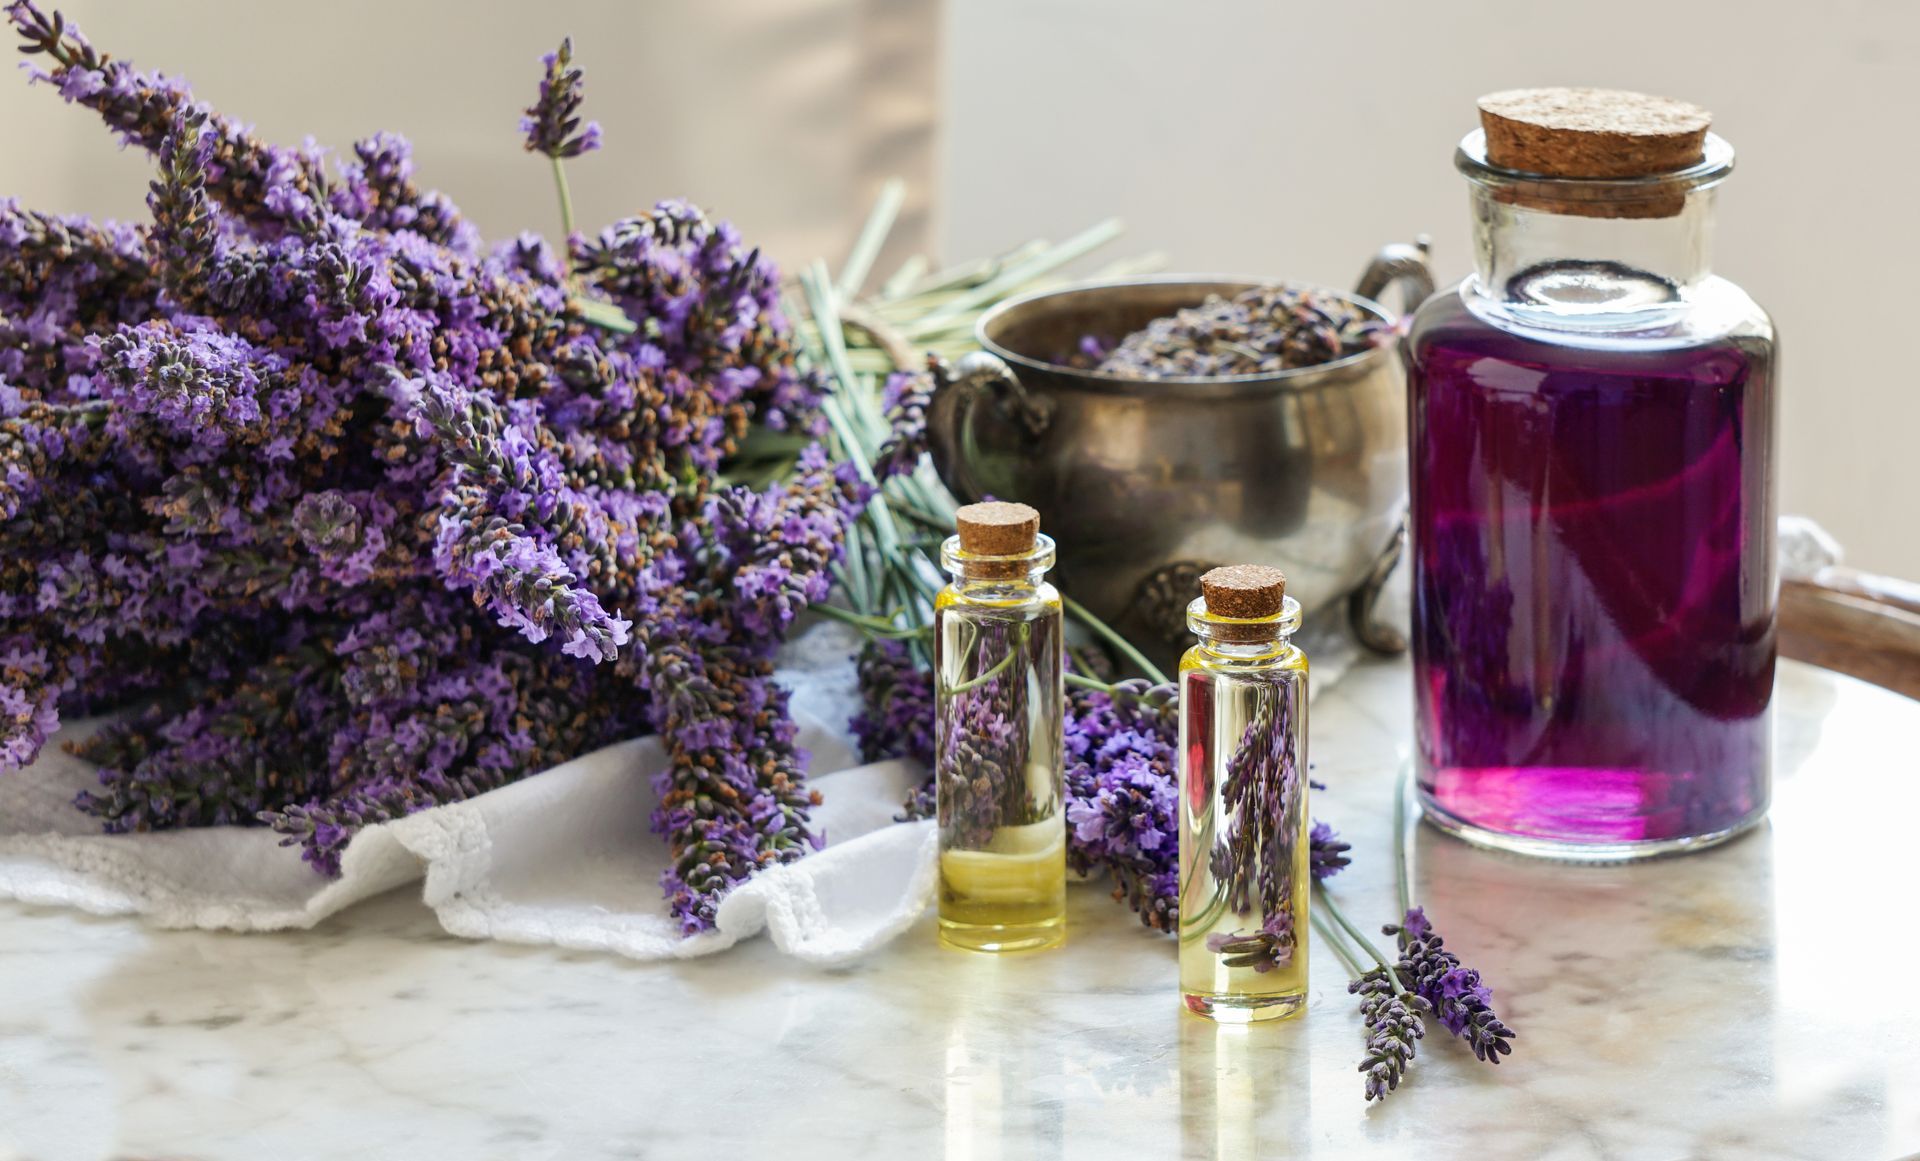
(268, 186)
(552, 122)
(185, 236)
(1391, 1014)
(1463, 1003)
(1328, 855)
(1394, 1027)
(1455, 993)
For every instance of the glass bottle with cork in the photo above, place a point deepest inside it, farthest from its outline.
(1592, 468)
(1244, 848)
(999, 719)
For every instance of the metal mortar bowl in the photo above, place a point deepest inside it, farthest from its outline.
(1147, 484)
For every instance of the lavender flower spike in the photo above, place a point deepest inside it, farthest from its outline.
(1457, 996)
(1393, 1025)
(551, 120)
(185, 235)
(1329, 854)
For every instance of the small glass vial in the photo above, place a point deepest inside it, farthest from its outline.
(1243, 801)
(999, 742)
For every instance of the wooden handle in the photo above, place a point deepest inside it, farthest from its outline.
(1859, 624)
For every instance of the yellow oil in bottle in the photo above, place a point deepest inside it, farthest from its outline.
(999, 768)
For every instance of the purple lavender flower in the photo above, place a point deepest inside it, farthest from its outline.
(185, 236)
(1328, 853)
(365, 514)
(1455, 993)
(905, 397)
(1122, 794)
(896, 705)
(1267, 949)
(261, 183)
(1394, 1028)
(734, 797)
(552, 122)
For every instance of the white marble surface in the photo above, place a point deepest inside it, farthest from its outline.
(1753, 1002)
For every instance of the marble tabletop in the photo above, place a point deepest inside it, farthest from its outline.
(1750, 1002)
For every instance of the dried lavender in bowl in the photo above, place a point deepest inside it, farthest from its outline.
(1256, 332)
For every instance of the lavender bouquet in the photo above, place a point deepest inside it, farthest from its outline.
(362, 515)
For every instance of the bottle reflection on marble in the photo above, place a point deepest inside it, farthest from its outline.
(1230, 1083)
(997, 1075)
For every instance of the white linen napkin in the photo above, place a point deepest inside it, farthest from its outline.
(563, 858)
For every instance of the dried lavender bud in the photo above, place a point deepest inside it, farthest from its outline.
(1455, 993)
(552, 120)
(1259, 331)
(1393, 1026)
(1328, 853)
(327, 523)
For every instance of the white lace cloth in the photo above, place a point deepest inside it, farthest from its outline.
(563, 858)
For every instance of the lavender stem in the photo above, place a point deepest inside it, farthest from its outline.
(566, 216)
(1402, 845)
(1325, 900)
(1338, 943)
(1106, 633)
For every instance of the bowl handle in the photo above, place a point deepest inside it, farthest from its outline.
(950, 412)
(1404, 265)
(1401, 263)
(1375, 634)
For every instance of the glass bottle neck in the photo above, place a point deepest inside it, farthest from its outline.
(1245, 643)
(986, 576)
(989, 588)
(1249, 655)
(1568, 271)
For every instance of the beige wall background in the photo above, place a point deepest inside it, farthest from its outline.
(1261, 137)
(1241, 135)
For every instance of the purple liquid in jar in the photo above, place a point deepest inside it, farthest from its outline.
(1593, 574)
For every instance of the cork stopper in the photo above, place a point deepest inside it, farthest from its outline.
(997, 528)
(1594, 134)
(1245, 592)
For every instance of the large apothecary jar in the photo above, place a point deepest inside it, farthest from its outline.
(1592, 442)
